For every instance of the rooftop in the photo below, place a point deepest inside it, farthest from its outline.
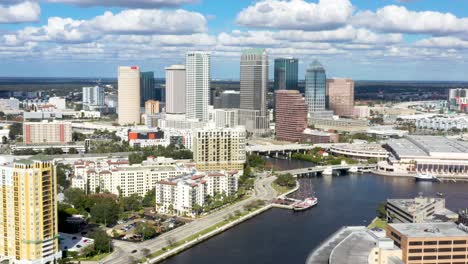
(438, 230)
(257, 51)
(424, 146)
(413, 205)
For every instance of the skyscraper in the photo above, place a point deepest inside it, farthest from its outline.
(93, 98)
(315, 88)
(29, 224)
(129, 95)
(147, 89)
(175, 89)
(197, 80)
(286, 73)
(291, 115)
(341, 96)
(254, 80)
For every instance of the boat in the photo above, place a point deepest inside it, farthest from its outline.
(306, 204)
(353, 169)
(425, 177)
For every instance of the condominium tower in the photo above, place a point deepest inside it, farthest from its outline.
(175, 89)
(341, 96)
(286, 73)
(29, 213)
(47, 132)
(197, 79)
(291, 115)
(147, 89)
(129, 95)
(315, 88)
(93, 98)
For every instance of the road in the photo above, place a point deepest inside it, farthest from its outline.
(123, 249)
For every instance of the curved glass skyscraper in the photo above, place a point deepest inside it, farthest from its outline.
(315, 87)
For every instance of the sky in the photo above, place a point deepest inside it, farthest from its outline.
(359, 39)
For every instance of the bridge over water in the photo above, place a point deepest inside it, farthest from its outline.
(328, 170)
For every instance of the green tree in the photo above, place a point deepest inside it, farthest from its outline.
(102, 242)
(382, 210)
(285, 180)
(77, 136)
(62, 171)
(72, 151)
(145, 230)
(16, 129)
(150, 198)
(76, 197)
(131, 203)
(53, 151)
(105, 209)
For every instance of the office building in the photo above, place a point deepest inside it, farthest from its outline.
(147, 137)
(226, 117)
(175, 89)
(286, 73)
(29, 213)
(458, 100)
(254, 80)
(152, 107)
(417, 210)
(341, 96)
(219, 148)
(180, 195)
(93, 98)
(11, 104)
(340, 124)
(147, 88)
(227, 99)
(315, 88)
(291, 115)
(47, 132)
(430, 243)
(197, 79)
(129, 95)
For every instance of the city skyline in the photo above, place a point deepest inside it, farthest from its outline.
(68, 38)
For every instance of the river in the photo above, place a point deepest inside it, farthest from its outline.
(281, 236)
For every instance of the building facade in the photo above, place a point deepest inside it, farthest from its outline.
(318, 137)
(417, 210)
(254, 80)
(152, 107)
(315, 87)
(129, 95)
(175, 89)
(341, 96)
(228, 99)
(147, 88)
(226, 117)
(47, 132)
(458, 100)
(286, 73)
(219, 148)
(197, 79)
(93, 98)
(291, 115)
(29, 213)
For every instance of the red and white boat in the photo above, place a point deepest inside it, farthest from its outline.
(306, 204)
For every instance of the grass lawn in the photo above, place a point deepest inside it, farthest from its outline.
(379, 223)
(281, 189)
(93, 258)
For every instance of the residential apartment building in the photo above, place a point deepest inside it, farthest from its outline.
(340, 94)
(291, 115)
(430, 243)
(47, 132)
(93, 98)
(129, 95)
(181, 195)
(29, 213)
(175, 89)
(417, 210)
(120, 178)
(226, 117)
(197, 84)
(219, 148)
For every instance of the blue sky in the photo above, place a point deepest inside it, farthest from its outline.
(359, 39)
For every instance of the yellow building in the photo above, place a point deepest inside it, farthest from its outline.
(219, 148)
(151, 107)
(28, 224)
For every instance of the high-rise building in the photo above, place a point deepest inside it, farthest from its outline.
(147, 88)
(129, 95)
(152, 107)
(315, 88)
(291, 115)
(458, 100)
(286, 73)
(47, 132)
(197, 79)
(93, 98)
(254, 80)
(175, 89)
(219, 148)
(29, 212)
(228, 99)
(341, 96)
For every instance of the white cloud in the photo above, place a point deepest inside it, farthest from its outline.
(442, 42)
(20, 13)
(126, 3)
(296, 14)
(57, 30)
(399, 19)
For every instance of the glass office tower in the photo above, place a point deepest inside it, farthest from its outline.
(286, 73)
(315, 88)
(147, 89)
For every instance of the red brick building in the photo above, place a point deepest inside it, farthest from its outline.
(291, 115)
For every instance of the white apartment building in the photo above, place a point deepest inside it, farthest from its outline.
(180, 195)
(58, 102)
(11, 104)
(129, 95)
(226, 117)
(120, 178)
(442, 123)
(219, 148)
(175, 89)
(47, 132)
(197, 79)
(93, 98)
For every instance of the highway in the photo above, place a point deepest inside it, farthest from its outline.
(123, 249)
